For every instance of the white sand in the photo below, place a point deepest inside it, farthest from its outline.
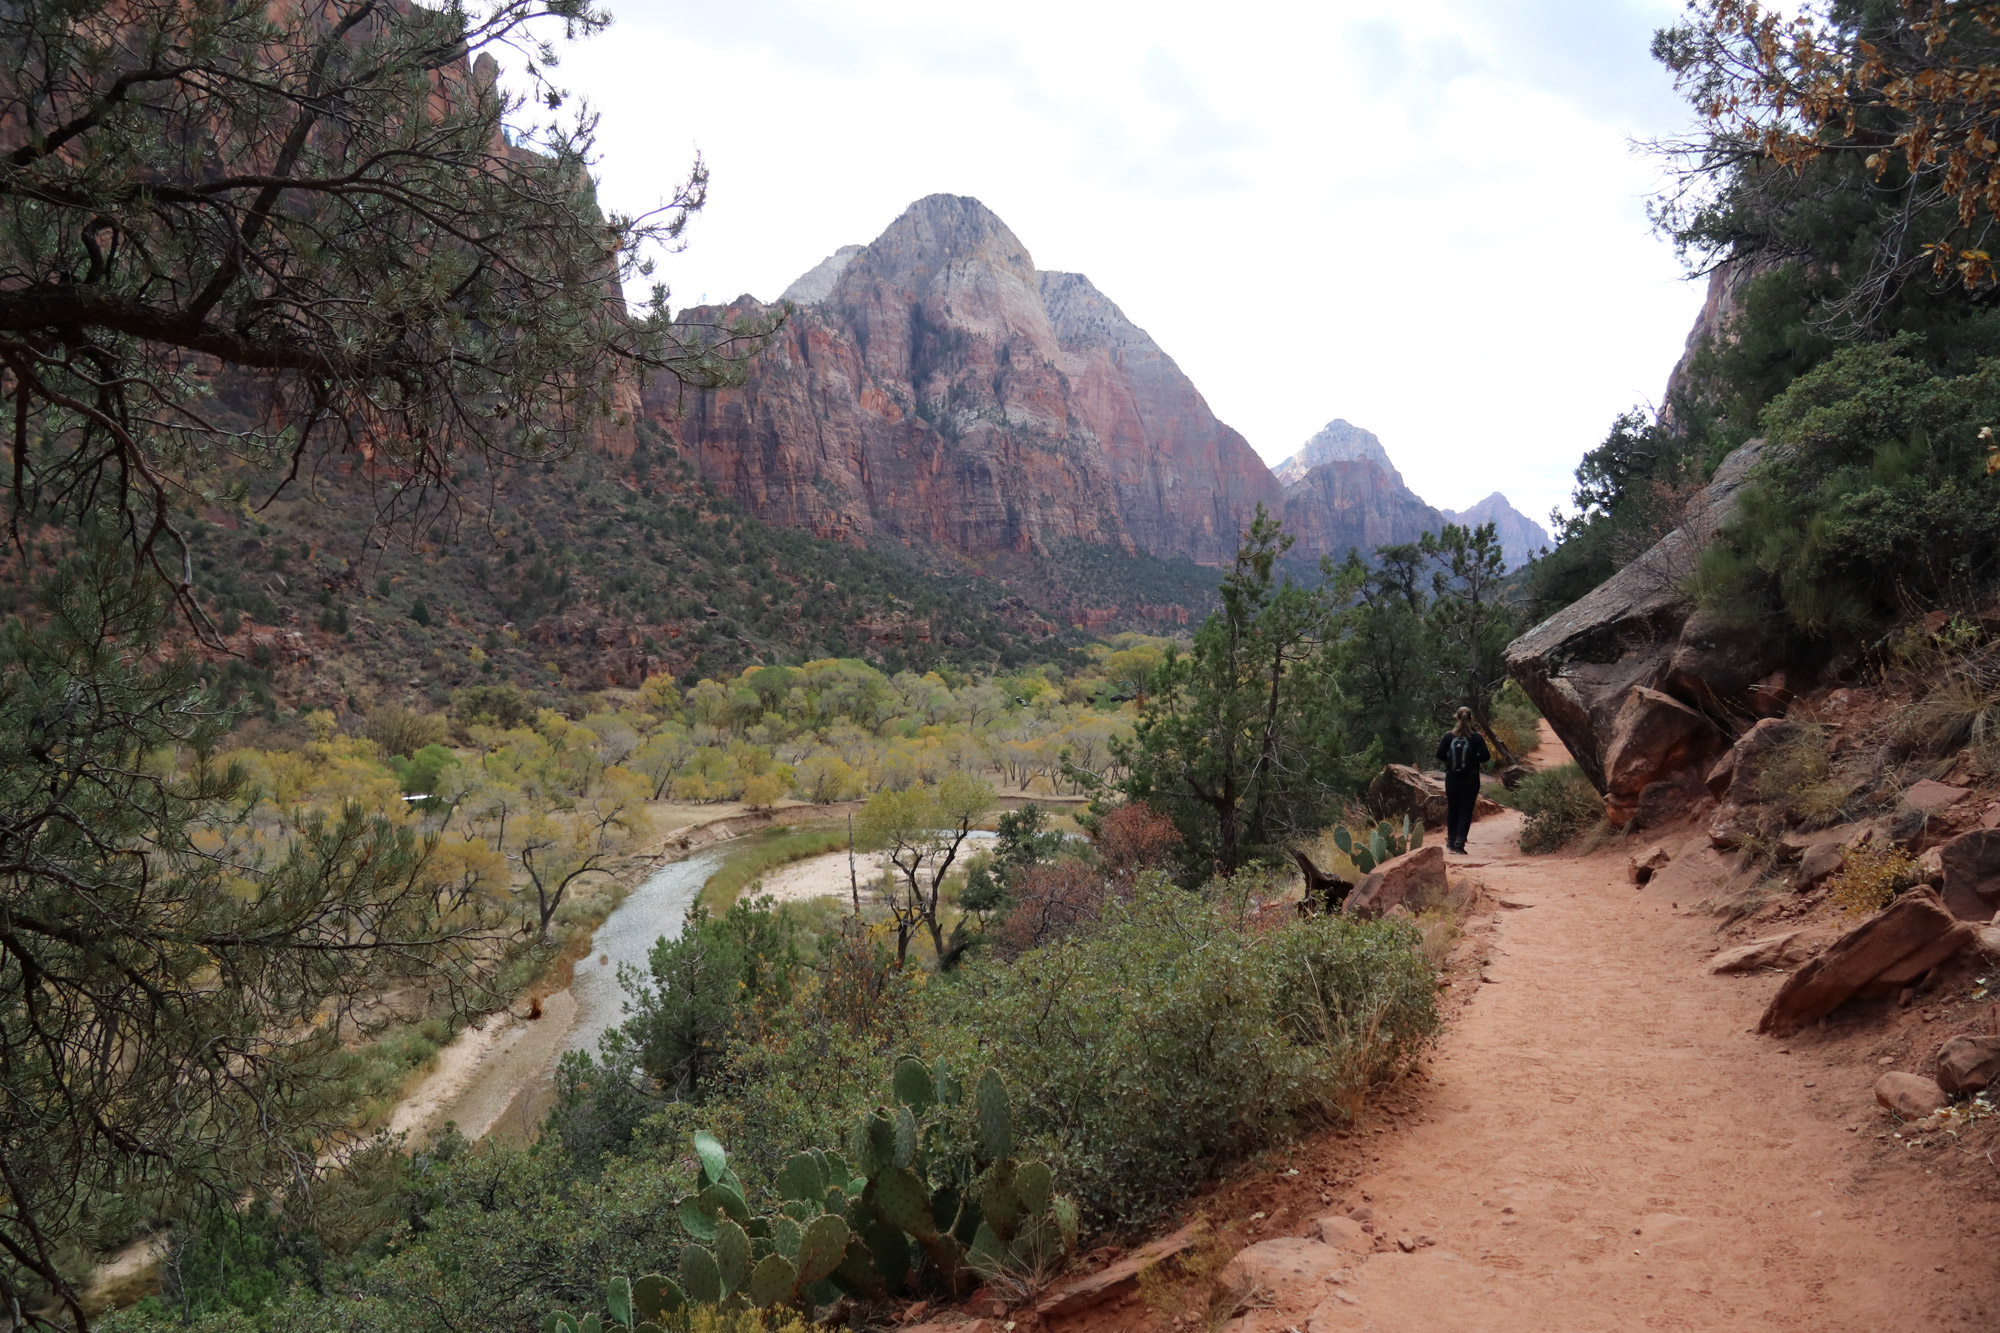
(818, 877)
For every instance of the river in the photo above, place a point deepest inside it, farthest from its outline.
(656, 909)
(496, 1078)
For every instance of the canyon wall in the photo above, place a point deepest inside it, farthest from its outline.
(935, 387)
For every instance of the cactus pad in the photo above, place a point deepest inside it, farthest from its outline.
(904, 1202)
(696, 1220)
(714, 1161)
(821, 1249)
(803, 1178)
(1033, 1181)
(732, 1256)
(700, 1275)
(996, 1116)
(874, 1142)
(654, 1296)
(618, 1299)
(914, 1087)
(772, 1281)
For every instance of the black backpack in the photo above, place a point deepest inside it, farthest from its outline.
(1460, 755)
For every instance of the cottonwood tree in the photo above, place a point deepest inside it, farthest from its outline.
(240, 243)
(585, 836)
(922, 829)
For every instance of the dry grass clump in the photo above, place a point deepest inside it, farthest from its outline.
(1871, 877)
(1442, 925)
(1961, 712)
(1798, 774)
(1183, 1290)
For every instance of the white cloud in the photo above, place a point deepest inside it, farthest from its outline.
(1423, 216)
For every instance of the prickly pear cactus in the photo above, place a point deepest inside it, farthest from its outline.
(919, 1207)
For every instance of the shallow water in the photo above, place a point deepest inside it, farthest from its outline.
(656, 909)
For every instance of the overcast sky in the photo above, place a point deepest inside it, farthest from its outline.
(1425, 216)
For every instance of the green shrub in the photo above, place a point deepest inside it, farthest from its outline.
(1516, 720)
(1560, 803)
(1873, 498)
(1145, 1054)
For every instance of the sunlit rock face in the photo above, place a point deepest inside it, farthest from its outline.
(935, 386)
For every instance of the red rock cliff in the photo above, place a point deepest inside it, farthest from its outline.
(939, 389)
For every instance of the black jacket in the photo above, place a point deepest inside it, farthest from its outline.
(1478, 756)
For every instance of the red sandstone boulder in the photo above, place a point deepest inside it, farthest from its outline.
(1402, 790)
(1414, 880)
(1933, 797)
(1910, 1096)
(1650, 862)
(1887, 951)
(1784, 950)
(1580, 665)
(1971, 864)
(1653, 736)
(1820, 860)
(1968, 1064)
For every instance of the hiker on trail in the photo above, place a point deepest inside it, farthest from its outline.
(1464, 754)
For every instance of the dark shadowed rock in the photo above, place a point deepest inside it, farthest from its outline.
(1671, 801)
(1653, 736)
(1415, 880)
(1579, 664)
(1889, 950)
(1716, 665)
(1972, 874)
(1968, 1064)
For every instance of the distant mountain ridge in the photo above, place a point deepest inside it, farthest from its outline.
(1521, 538)
(933, 388)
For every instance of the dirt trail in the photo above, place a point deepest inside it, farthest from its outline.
(1602, 1145)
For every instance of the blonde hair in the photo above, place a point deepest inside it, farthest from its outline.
(1464, 727)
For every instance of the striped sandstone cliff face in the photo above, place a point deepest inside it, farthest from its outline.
(935, 387)
(941, 389)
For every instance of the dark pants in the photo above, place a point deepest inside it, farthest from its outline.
(1461, 793)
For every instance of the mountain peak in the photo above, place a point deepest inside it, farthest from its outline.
(935, 232)
(1337, 441)
(1520, 536)
(816, 283)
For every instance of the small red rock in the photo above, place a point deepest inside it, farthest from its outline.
(1910, 1096)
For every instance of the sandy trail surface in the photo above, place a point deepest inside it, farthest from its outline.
(1601, 1144)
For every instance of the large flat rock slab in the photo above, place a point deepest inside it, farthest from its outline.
(1581, 663)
